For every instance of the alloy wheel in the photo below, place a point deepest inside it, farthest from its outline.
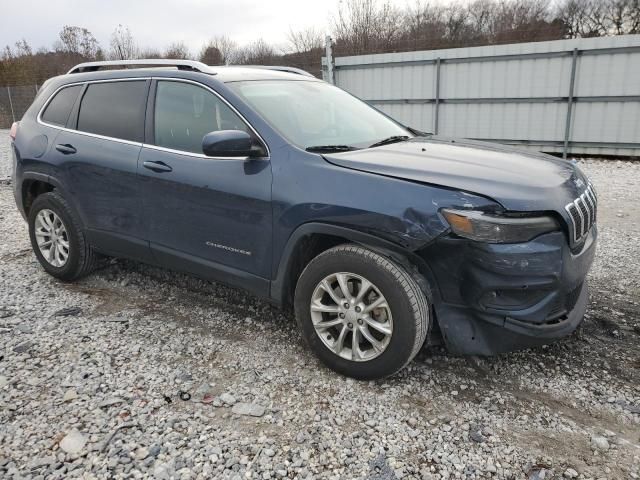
(52, 238)
(351, 316)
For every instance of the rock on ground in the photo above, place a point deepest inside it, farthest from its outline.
(73, 442)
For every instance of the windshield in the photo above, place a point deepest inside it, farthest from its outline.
(311, 114)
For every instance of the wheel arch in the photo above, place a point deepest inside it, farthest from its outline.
(35, 184)
(311, 239)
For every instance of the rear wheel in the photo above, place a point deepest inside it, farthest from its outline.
(57, 238)
(361, 313)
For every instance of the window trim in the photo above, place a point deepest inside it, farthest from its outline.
(150, 117)
(52, 96)
(72, 122)
(78, 108)
(88, 134)
(147, 112)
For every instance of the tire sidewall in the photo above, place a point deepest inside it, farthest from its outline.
(399, 350)
(50, 202)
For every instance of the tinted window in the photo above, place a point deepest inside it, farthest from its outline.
(114, 109)
(185, 113)
(59, 108)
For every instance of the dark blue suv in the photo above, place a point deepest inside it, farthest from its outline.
(379, 236)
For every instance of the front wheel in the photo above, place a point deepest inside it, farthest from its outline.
(361, 313)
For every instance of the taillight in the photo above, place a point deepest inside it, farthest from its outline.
(14, 130)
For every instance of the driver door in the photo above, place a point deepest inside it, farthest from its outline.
(205, 215)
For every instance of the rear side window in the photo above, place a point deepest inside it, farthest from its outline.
(185, 113)
(59, 108)
(114, 109)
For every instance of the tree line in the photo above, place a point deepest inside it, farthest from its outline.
(357, 27)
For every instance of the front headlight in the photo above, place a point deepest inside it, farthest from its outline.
(491, 228)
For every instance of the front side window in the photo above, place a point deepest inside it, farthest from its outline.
(114, 109)
(310, 113)
(185, 113)
(59, 108)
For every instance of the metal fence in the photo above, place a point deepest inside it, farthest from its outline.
(579, 96)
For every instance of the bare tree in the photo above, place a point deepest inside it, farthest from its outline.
(615, 12)
(458, 27)
(7, 54)
(622, 16)
(482, 14)
(358, 27)
(367, 25)
(258, 53)
(596, 18)
(354, 24)
(522, 20)
(78, 41)
(210, 55)
(227, 48)
(388, 24)
(123, 46)
(150, 53)
(423, 25)
(177, 50)
(23, 49)
(301, 41)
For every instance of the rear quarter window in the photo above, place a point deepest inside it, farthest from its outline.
(59, 108)
(114, 109)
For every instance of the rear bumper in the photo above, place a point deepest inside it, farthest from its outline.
(499, 298)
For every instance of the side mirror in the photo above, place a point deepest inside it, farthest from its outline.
(230, 143)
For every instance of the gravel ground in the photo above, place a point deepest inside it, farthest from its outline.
(138, 372)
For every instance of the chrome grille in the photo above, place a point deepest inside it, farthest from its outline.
(583, 211)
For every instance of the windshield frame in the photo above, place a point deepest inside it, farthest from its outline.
(234, 88)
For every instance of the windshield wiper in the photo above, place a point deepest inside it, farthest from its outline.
(330, 148)
(419, 133)
(387, 141)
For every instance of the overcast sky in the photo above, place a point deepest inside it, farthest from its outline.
(157, 23)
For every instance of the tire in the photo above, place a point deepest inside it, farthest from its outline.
(81, 259)
(400, 330)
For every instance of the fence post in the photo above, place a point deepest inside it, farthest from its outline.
(572, 81)
(437, 106)
(329, 57)
(13, 115)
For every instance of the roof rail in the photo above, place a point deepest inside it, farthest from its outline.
(179, 64)
(280, 68)
(145, 63)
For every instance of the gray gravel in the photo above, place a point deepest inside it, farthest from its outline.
(137, 372)
(5, 159)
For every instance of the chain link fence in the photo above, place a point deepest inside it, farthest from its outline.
(14, 101)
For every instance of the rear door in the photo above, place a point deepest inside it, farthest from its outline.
(209, 216)
(97, 156)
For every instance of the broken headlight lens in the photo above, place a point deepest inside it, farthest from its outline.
(491, 228)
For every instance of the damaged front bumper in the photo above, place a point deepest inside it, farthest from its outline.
(495, 298)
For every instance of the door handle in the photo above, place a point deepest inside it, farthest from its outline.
(158, 167)
(66, 148)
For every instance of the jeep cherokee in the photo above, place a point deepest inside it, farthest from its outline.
(380, 237)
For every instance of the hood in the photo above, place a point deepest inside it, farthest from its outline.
(518, 180)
